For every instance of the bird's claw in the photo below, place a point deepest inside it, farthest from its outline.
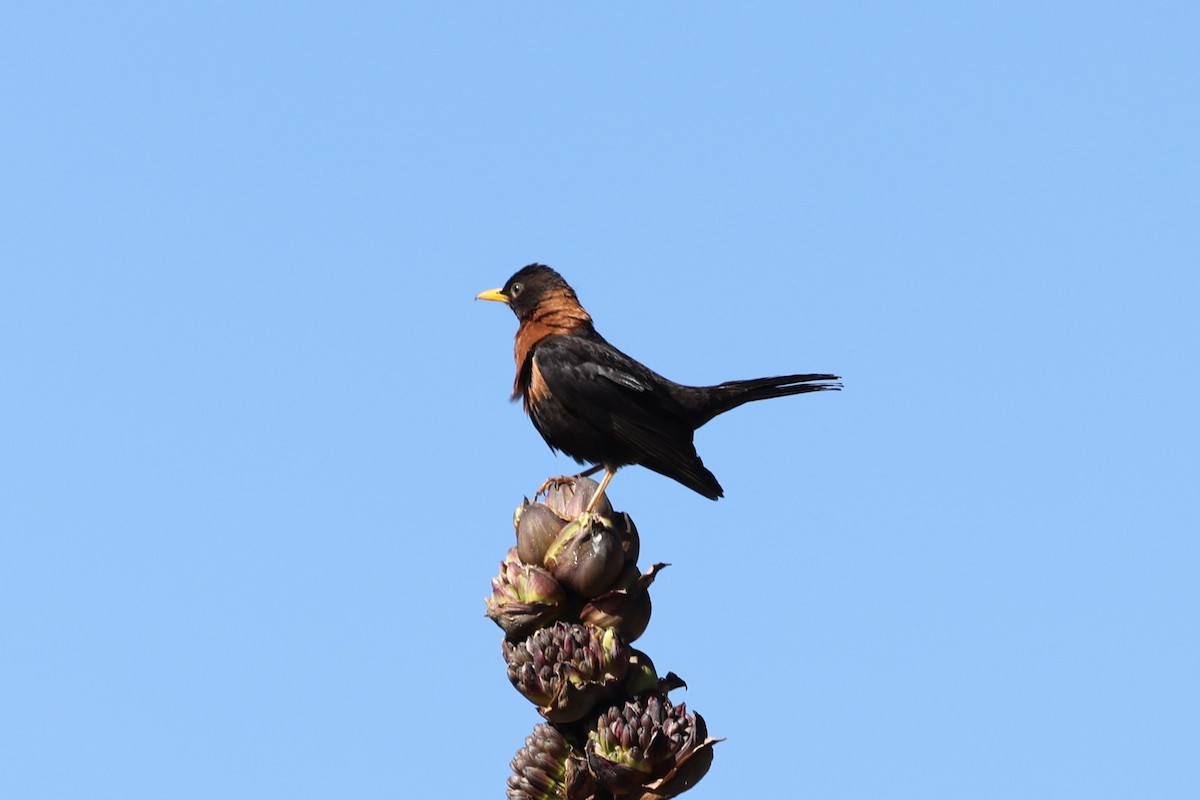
(555, 483)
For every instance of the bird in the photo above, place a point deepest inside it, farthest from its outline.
(600, 406)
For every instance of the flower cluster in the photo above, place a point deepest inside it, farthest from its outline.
(571, 599)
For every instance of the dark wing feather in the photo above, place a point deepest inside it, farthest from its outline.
(624, 405)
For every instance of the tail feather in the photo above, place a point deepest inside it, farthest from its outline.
(694, 476)
(707, 402)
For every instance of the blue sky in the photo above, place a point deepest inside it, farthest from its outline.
(258, 465)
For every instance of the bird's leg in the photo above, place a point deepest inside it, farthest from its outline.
(608, 475)
(562, 480)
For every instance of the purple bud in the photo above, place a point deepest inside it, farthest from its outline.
(587, 556)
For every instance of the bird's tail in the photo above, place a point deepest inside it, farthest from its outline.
(708, 401)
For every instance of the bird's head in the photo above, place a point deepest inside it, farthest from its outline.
(532, 287)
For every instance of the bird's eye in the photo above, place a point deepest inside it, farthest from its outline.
(515, 290)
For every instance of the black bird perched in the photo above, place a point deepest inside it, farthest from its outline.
(598, 405)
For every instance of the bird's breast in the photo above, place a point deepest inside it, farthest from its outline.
(535, 391)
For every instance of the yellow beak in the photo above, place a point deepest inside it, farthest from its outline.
(493, 294)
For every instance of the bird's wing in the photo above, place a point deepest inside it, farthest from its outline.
(596, 382)
(609, 391)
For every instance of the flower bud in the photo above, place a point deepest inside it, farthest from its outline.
(625, 607)
(641, 676)
(568, 497)
(649, 748)
(546, 769)
(537, 528)
(586, 557)
(631, 543)
(524, 598)
(566, 669)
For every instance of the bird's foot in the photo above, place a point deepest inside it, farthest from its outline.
(564, 480)
(554, 483)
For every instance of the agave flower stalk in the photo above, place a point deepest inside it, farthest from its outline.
(570, 598)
